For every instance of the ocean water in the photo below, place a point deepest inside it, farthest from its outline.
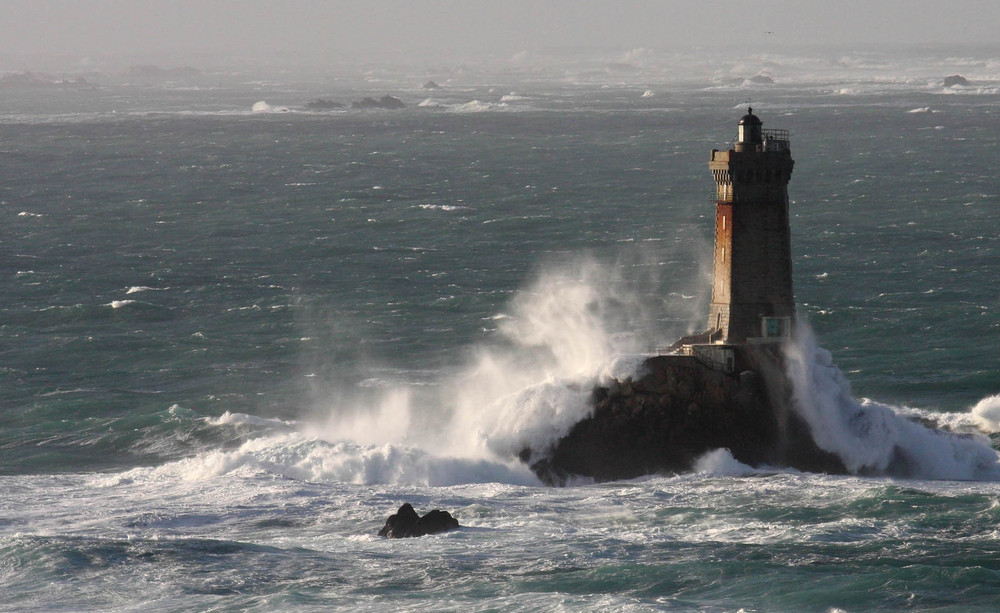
(236, 335)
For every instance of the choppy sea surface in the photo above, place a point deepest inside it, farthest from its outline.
(237, 334)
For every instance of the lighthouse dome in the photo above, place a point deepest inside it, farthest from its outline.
(749, 132)
(750, 119)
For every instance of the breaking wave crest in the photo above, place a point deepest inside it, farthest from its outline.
(296, 456)
(986, 414)
(872, 438)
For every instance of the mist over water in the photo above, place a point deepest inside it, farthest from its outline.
(578, 324)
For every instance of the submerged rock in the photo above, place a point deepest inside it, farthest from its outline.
(406, 523)
(680, 409)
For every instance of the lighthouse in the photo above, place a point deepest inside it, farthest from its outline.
(752, 299)
(725, 387)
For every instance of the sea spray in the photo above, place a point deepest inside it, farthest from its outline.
(871, 437)
(986, 414)
(575, 325)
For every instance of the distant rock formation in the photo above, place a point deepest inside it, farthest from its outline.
(406, 523)
(678, 410)
(322, 105)
(431, 85)
(385, 102)
(955, 79)
(762, 79)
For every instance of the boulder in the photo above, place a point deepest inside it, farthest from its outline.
(406, 523)
(389, 102)
(385, 102)
(431, 85)
(321, 105)
(955, 79)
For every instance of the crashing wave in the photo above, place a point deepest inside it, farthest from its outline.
(263, 107)
(477, 106)
(873, 438)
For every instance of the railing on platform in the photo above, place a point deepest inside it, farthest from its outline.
(774, 140)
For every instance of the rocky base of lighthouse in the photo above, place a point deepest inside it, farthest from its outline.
(677, 410)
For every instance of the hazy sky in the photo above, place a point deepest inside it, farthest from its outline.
(352, 30)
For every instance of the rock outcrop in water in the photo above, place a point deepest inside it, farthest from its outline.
(320, 104)
(406, 523)
(955, 80)
(677, 410)
(725, 388)
(385, 102)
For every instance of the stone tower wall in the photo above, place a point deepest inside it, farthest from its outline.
(752, 265)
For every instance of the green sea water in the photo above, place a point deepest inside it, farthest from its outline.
(233, 342)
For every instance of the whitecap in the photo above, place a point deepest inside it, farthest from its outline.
(722, 462)
(135, 289)
(440, 207)
(476, 106)
(263, 107)
(229, 418)
(117, 304)
(986, 414)
(295, 456)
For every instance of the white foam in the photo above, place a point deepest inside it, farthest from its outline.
(263, 107)
(475, 106)
(296, 456)
(117, 304)
(135, 289)
(870, 437)
(431, 103)
(986, 414)
(441, 207)
(229, 418)
(722, 462)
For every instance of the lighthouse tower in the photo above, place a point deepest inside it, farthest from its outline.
(752, 298)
